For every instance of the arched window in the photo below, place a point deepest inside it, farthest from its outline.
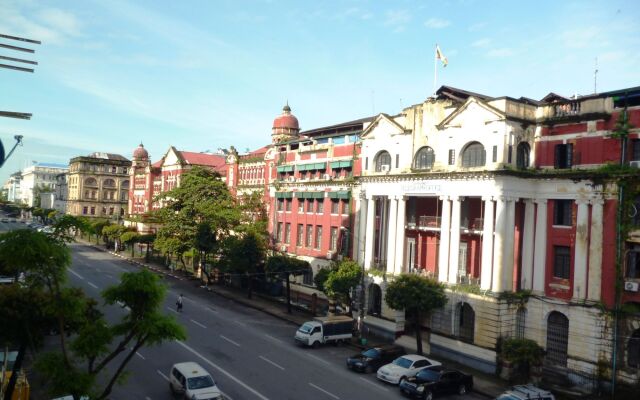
(424, 158)
(465, 325)
(125, 185)
(522, 156)
(383, 161)
(521, 322)
(90, 182)
(109, 183)
(473, 155)
(633, 350)
(375, 300)
(557, 339)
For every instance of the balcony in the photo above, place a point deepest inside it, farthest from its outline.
(566, 109)
(428, 222)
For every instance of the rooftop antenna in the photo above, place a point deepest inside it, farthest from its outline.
(595, 77)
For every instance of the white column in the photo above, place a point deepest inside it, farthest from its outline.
(360, 235)
(498, 245)
(400, 240)
(509, 244)
(595, 250)
(487, 245)
(391, 234)
(443, 251)
(581, 250)
(540, 255)
(369, 236)
(454, 240)
(526, 281)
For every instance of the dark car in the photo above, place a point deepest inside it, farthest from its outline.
(373, 358)
(435, 381)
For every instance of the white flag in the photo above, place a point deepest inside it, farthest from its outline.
(441, 57)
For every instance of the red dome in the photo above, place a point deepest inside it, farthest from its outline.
(140, 153)
(286, 120)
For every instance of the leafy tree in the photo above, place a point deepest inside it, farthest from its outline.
(284, 266)
(344, 276)
(321, 276)
(523, 353)
(113, 234)
(97, 226)
(244, 254)
(130, 238)
(147, 239)
(67, 227)
(418, 295)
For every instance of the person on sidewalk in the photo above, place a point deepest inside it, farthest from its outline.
(179, 303)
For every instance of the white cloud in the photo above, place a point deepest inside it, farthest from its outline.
(500, 53)
(51, 26)
(437, 23)
(60, 21)
(484, 42)
(397, 19)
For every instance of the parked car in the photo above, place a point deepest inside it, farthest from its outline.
(404, 367)
(526, 392)
(435, 381)
(373, 358)
(193, 381)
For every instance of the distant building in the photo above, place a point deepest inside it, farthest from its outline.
(98, 185)
(36, 179)
(12, 187)
(61, 193)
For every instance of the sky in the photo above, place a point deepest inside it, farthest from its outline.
(207, 74)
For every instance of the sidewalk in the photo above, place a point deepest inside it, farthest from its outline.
(484, 384)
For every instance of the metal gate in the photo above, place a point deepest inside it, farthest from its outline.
(466, 322)
(557, 339)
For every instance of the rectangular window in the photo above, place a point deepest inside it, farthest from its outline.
(335, 206)
(287, 233)
(280, 204)
(397, 160)
(635, 150)
(279, 232)
(562, 213)
(93, 211)
(300, 205)
(494, 156)
(509, 153)
(309, 205)
(287, 204)
(114, 169)
(84, 210)
(452, 157)
(124, 170)
(309, 236)
(345, 208)
(563, 156)
(561, 262)
(300, 235)
(110, 210)
(633, 263)
(320, 206)
(334, 238)
(318, 237)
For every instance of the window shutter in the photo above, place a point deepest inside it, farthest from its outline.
(569, 155)
(558, 155)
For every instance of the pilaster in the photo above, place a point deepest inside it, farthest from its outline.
(595, 250)
(454, 240)
(540, 245)
(486, 267)
(443, 251)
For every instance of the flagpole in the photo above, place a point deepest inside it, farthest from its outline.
(435, 69)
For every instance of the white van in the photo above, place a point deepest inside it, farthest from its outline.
(190, 379)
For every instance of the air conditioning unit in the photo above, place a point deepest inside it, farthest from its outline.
(634, 164)
(330, 255)
(283, 248)
(385, 168)
(630, 286)
(291, 179)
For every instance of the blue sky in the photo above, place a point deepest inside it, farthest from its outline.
(201, 75)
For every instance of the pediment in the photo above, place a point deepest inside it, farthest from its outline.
(472, 112)
(172, 157)
(382, 125)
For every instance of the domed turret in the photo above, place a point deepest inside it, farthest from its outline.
(140, 153)
(285, 126)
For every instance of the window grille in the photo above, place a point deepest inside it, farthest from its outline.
(557, 339)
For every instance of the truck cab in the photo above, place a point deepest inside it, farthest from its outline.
(324, 330)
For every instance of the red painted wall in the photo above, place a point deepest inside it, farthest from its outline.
(559, 236)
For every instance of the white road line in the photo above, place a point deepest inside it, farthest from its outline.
(244, 385)
(374, 385)
(323, 391)
(199, 324)
(147, 398)
(75, 273)
(319, 359)
(273, 338)
(240, 323)
(212, 310)
(163, 375)
(140, 355)
(92, 285)
(272, 363)
(229, 340)
(172, 310)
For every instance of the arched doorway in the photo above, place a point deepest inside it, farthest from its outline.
(375, 300)
(557, 339)
(522, 155)
(466, 320)
(633, 350)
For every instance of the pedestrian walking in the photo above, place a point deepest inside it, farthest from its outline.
(179, 303)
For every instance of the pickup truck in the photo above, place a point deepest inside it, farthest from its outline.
(325, 330)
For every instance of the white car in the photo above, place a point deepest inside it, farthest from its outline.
(404, 367)
(193, 382)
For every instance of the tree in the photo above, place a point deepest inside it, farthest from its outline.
(130, 238)
(113, 233)
(344, 276)
(244, 254)
(284, 266)
(97, 226)
(67, 227)
(418, 295)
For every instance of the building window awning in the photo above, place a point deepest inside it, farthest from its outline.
(341, 164)
(309, 195)
(312, 166)
(342, 194)
(285, 168)
(284, 195)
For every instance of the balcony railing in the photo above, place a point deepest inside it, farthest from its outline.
(427, 221)
(571, 108)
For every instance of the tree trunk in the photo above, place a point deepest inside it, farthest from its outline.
(288, 293)
(107, 390)
(16, 368)
(133, 249)
(418, 332)
(249, 285)
(146, 254)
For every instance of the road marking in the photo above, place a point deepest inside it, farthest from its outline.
(140, 355)
(318, 358)
(212, 310)
(172, 310)
(199, 324)
(92, 285)
(229, 340)
(75, 273)
(273, 338)
(109, 276)
(240, 323)
(272, 363)
(163, 375)
(147, 398)
(324, 391)
(374, 385)
(238, 381)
